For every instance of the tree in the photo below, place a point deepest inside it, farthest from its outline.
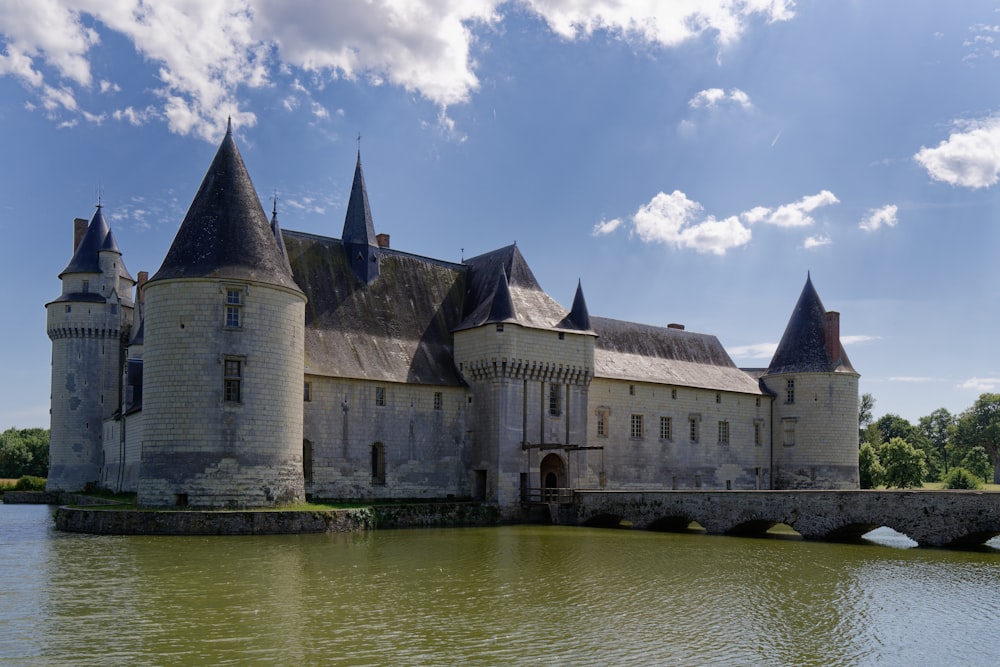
(866, 403)
(936, 429)
(869, 466)
(979, 426)
(960, 478)
(905, 465)
(24, 452)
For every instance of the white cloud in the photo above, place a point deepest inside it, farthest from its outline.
(206, 53)
(755, 351)
(660, 23)
(605, 227)
(817, 242)
(674, 219)
(134, 116)
(711, 98)
(969, 157)
(980, 384)
(795, 214)
(878, 217)
(858, 339)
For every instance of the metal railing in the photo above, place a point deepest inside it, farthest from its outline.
(548, 495)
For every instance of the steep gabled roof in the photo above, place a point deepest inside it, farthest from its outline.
(530, 305)
(86, 258)
(645, 353)
(225, 233)
(396, 329)
(803, 346)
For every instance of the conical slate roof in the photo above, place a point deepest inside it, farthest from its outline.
(225, 233)
(803, 346)
(502, 308)
(358, 225)
(579, 316)
(86, 259)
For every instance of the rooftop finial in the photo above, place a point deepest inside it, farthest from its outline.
(274, 208)
(359, 144)
(229, 124)
(100, 196)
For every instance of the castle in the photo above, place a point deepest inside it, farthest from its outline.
(259, 366)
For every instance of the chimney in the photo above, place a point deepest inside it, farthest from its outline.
(383, 240)
(143, 277)
(674, 325)
(79, 229)
(831, 333)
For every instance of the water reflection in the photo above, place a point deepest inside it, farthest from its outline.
(512, 595)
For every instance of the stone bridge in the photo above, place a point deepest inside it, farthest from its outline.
(955, 519)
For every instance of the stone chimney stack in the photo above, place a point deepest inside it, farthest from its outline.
(79, 229)
(832, 334)
(143, 277)
(383, 240)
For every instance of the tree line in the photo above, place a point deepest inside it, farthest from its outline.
(24, 452)
(961, 451)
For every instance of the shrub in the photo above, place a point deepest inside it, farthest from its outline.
(30, 483)
(960, 478)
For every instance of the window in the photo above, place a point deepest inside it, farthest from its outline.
(790, 392)
(234, 302)
(693, 427)
(758, 433)
(380, 396)
(86, 285)
(233, 375)
(757, 400)
(69, 309)
(602, 423)
(666, 428)
(788, 431)
(438, 400)
(307, 391)
(555, 400)
(723, 433)
(718, 397)
(562, 335)
(673, 394)
(307, 461)
(631, 390)
(114, 308)
(636, 426)
(378, 464)
(499, 327)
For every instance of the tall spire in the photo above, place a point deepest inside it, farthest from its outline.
(85, 258)
(359, 239)
(502, 308)
(276, 228)
(225, 233)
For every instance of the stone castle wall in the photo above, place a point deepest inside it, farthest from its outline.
(198, 448)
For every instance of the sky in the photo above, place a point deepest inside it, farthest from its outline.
(688, 162)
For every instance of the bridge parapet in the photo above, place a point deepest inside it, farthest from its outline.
(931, 518)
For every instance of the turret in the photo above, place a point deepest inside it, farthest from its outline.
(223, 356)
(360, 241)
(88, 324)
(815, 418)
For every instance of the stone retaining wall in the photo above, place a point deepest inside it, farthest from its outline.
(275, 522)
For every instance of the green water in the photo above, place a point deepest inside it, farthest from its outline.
(519, 595)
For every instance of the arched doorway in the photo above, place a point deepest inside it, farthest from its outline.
(552, 471)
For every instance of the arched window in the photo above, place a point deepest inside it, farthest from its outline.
(378, 464)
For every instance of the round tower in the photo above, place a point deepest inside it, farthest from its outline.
(223, 356)
(87, 325)
(815, 409)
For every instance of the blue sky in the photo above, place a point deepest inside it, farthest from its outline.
(688, 164)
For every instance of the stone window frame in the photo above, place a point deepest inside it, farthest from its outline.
(380, 399)
(378, 464)
(307, 394)
(636, 426)
(788, 431)
(603, 417)
(694, 427)
(438, 400)
(232, 378)
(555, 399)
(666, 428)
(758, 432)
(234, 299)
(723, 432)
(790, 391)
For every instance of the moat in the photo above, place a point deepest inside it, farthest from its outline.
(513, 595)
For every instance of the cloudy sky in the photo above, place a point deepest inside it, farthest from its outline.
(689, 164)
